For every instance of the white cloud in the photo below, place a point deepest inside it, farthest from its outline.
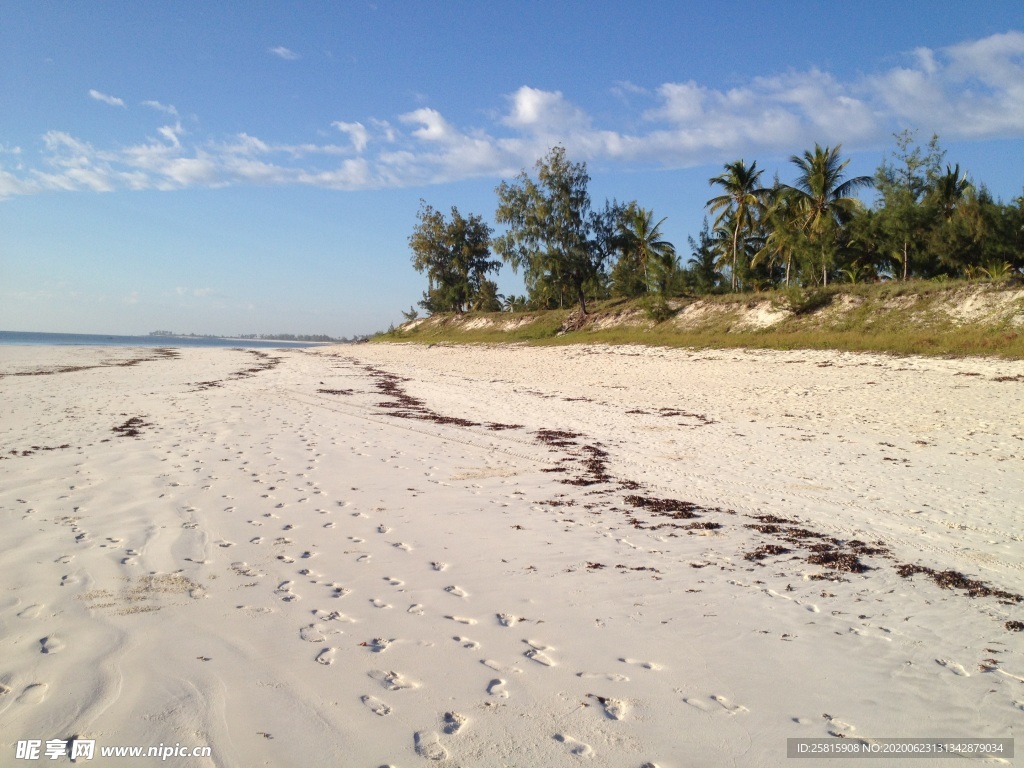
(433, 127)
(106, 99)
(284, 53)
(167, 109)
(971, 90)
(356, 132)
(544, 111)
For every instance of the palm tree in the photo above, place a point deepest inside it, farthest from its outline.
(740, 203)
(784, 237)
(948, 190)
(643, 238)
(822, 200)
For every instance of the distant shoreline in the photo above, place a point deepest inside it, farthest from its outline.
(34, 338)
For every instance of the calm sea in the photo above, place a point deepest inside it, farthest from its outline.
(97, 340)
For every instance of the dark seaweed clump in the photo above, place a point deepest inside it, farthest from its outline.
(766, 550)
(956, 580)
(673, 508)
(131, 428)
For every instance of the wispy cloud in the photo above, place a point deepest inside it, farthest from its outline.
(356, 132)
(284, 53)
(167, 109)
(973, 90)
(106, 98)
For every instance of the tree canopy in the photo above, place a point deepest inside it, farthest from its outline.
(929, 219)
(549, 230)
(455, 254)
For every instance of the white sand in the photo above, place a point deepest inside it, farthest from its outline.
(301, 578)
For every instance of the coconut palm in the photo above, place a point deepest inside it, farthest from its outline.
(822, 200)
(948, 191)
(642, 238)
(741, 202)
(784, 238)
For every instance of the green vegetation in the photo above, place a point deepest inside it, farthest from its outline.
(549, 230)
(455, 255)
(789, 245)
(915, 317)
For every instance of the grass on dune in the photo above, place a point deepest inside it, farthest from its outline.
(896, 318)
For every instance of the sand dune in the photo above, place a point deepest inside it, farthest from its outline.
(489, 556)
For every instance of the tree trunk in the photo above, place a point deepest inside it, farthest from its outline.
(906, 262)
(735, 243)
(582, 300)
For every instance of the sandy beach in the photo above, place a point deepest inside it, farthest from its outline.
(399, 555)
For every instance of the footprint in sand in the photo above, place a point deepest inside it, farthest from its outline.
(497, 666)
(391, 680)
(338, 591)
(250, 610)
(507, 619)
(724, 705)
(536, 653)
(377, 603)
(453, 722)
(457, 591)
(497, 688)
(34, 693)
(838, 728)
(30, 612)
(472, 645)
(428, 746)
(284, 589)
(645, 664)
(378, 644)
(326, 656)
(50, 644)
(313, 633)
(363, 559)
(331, 616)
(576, 747)
(376, 706)
(256, 540)
(438, 566)
(356, 540)
(383, 529)
(462, 620)
(415, 609)
(394, 582)
(402, 546)
(953, 667)
(613, 708)
(603, 676)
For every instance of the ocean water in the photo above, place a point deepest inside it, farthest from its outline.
(21, 338)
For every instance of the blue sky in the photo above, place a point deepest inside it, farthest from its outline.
(256, 167)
